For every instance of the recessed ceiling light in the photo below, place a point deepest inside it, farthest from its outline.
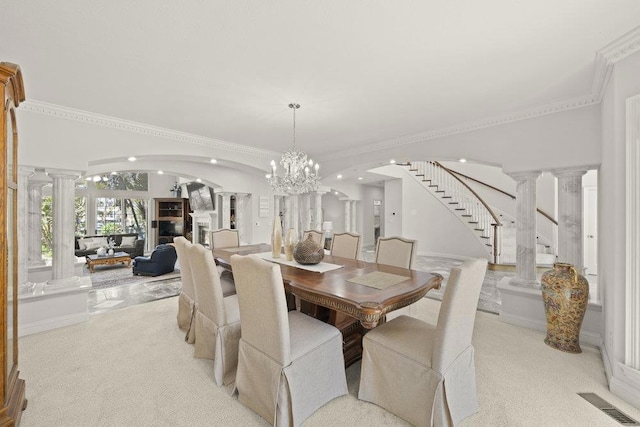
(198, 180)
(132, 159)
(336, 193)
(339, 177)
(359, 178)
(160, 172)
(392, 161)
(213, 161)
(268, 176)
(463, 160)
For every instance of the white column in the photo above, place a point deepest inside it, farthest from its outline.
(317, 209)
(353, 216)
(34, 223)
(226, 210)
(63, 225)
(241, 222)
(525, 229)
(295, 213)
(307, 217)
(347, 215)
(287, 214)
(23, 223)
(570, 242)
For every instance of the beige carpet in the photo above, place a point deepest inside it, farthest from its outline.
(131, 367)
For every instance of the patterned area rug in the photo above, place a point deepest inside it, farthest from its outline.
(116, 275)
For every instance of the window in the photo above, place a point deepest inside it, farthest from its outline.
(130, 181)
(81, 216)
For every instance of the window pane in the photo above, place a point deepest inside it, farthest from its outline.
(133, 181)
(47, 226)
(81, 216)
(135, 218)
(108, 215)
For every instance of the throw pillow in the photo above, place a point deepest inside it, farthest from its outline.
(82, 243)
(93, 245)
(128, 241)
(101, 241)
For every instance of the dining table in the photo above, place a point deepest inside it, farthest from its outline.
(350, 294)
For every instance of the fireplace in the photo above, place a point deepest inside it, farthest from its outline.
(202, 223)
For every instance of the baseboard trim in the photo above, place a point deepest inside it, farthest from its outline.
(48, 324)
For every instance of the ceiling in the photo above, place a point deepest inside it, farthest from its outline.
(363, 71)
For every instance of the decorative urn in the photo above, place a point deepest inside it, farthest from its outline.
(307, 251)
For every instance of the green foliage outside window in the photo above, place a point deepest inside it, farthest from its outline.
(132, 181)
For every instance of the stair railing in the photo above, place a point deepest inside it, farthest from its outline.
(469, 204)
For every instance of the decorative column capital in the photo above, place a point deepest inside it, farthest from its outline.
(569, 172)
(26, 171)
(70, 175)
(525, 176)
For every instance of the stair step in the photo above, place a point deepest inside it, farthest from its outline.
(472, 222)
(460, 209)
(485, 237)
(467, 216)
(433, 185)
(479, 229)
(487, 244)
(439, 191)
(446, 197)
(426, 180)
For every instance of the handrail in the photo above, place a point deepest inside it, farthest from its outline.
(493, 215)
(540, 211)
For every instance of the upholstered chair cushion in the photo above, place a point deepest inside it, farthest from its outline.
(318, 236)
(186, 299)
(346, 245)
(395, 251)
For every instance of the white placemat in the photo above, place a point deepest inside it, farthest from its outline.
(322, 267)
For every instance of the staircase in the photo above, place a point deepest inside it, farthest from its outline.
(461, 200)
(499, 239)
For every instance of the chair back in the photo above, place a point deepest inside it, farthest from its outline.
(207, 284)
(263, 306)
(458, 312)
(317, 236)
(345, 245)
(186, 276)
(395, 251)
(224, 238)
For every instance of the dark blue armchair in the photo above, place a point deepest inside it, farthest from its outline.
(162, 261)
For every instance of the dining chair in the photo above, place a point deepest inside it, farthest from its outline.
(224, 238)
(425, 374)
(289, 364)
(395, 251)
(186, 299)
(217, 319)
(317, 236)
(346, 245)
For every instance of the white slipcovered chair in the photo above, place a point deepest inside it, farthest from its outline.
(395, 251)
(423, 373)
(217, 319)
(289, 364)
(187, 297)
(225, 238)
(346, 245)
(317, 236)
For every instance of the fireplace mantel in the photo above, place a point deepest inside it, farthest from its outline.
(202, 222)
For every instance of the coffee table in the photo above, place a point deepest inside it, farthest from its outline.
(116, 258)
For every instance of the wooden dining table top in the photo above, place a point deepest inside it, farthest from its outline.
(332, 289)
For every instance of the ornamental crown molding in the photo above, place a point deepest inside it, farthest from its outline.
(67, 113)
(605, 60)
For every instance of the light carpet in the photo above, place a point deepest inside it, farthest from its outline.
(132, 367)
(113, 275)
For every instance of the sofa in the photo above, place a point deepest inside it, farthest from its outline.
(125, 242)
(161, 261)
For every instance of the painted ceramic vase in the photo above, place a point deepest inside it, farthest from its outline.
(276, 237)
(308, 251)
(290, 241)
(101, 251)
(565, 294)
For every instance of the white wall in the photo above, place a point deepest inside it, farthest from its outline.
(333, 210)
(624, 83)
(369, 194)
(393, 208)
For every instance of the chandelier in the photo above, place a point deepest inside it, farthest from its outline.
(300, 175)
